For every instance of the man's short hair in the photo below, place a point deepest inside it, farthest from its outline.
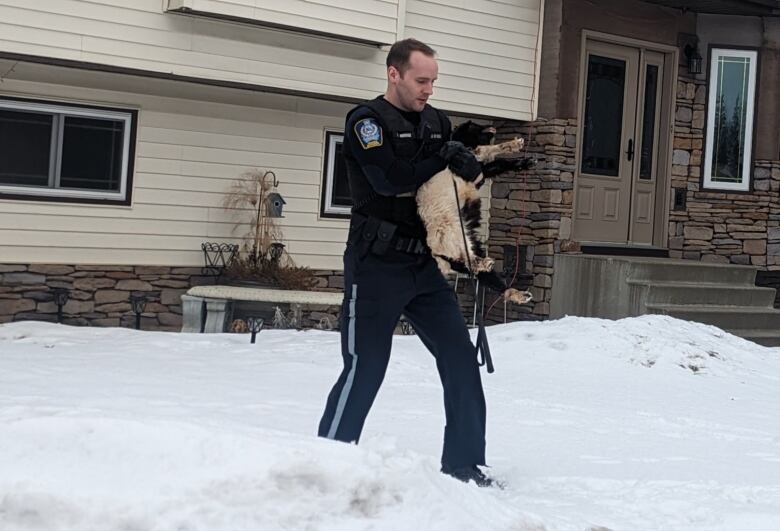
(399, 53)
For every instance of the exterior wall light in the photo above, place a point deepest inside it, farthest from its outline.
(694, 59)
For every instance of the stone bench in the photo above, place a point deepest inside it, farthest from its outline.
(209, 309)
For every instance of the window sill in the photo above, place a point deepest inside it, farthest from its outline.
(101, 199)
(711, 190)
(335, 215)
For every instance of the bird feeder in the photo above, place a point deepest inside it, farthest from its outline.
(275, 204)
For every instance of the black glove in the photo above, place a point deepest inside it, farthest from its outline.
(499, 166)
(465, 165)
(450, 148)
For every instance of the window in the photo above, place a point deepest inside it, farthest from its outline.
(729, 145)
(336, 199)
(603, 126)
(65, 152)
(648, 123)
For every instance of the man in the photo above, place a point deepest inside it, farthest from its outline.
(392, 145)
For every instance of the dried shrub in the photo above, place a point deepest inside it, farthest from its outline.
(262, 257)
(284, 274)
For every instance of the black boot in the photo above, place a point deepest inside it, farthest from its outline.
(470, 473)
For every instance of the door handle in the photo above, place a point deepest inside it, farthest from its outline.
(630, 151)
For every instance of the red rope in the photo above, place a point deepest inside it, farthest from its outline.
(524, 174)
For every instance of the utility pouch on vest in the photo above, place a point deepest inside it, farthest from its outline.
(370, 234)
(367, 235)
(384, 236)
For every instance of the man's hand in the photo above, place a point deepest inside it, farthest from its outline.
(450, 149)
(465, 165)
(460, 160)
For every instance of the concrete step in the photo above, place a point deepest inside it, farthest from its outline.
(704, 293)
(768, 338)
(657, 270)
(725, 317)
(616, 286)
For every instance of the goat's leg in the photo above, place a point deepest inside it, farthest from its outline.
(489, 153)
(444, 263)
(493, 281)
(482, 264)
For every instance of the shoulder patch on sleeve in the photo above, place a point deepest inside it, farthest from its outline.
(369, 133)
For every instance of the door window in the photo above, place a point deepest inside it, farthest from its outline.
(603, 116)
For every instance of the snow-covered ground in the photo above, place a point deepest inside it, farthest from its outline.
(641, 424)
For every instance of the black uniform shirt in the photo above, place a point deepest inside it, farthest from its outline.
(388, 174)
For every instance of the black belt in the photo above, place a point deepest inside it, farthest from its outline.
(410, 245)
(381, 236)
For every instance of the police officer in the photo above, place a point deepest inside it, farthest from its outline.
(392, 145)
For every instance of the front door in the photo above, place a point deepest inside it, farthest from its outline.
(621, 170)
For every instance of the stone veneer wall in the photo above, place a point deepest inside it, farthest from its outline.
(100, 295)
(533, 208)
(738, 228)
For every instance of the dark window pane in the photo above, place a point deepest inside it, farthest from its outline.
(341, 195)
(603, 116)
(648, 123)
(92, 154)
(25, 144)
(728, 152)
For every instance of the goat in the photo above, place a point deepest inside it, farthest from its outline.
(439, 210)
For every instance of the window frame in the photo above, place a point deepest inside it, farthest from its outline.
(60, 110)
(327, 209)
(715, 52)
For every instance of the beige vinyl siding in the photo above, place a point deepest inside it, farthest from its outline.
(187, 154)
(486, 47)
(370, 20)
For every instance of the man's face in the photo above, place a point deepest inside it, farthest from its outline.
(415, 85)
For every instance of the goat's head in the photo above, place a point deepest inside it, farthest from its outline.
(473, 135)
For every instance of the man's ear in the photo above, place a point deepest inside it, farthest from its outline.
(393, 74)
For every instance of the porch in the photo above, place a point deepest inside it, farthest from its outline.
(636, 115)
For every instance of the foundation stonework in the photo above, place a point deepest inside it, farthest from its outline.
(100, 295)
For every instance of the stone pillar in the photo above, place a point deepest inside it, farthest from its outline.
(533, 209)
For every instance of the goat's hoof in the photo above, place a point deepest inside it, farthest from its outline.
(483, 264)
(513, 146)
(517, 296)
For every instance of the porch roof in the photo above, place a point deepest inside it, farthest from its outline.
(725, 7)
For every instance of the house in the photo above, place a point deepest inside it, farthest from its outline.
(655, 124)
(122, 125)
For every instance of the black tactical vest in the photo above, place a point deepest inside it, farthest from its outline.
(410, 141)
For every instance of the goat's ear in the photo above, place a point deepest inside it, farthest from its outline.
(464, 127)
(468, 133)
(459, 132)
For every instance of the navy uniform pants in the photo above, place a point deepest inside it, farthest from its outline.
(377, 290)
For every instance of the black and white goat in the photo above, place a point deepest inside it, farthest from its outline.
(443, 215)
